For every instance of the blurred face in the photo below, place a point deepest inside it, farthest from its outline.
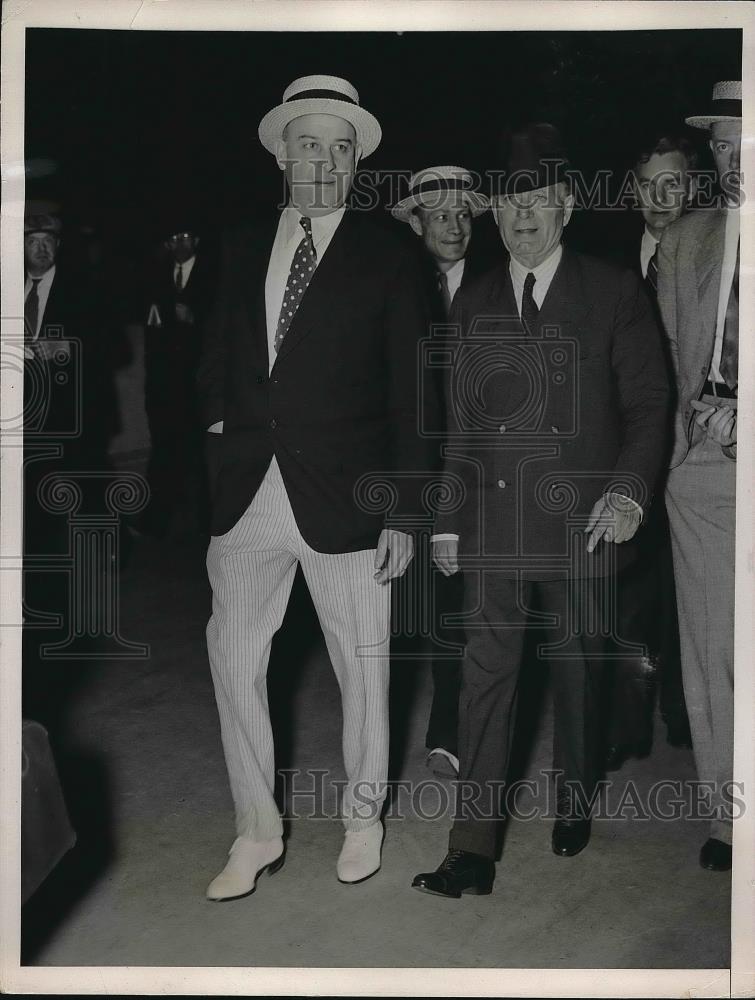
(40, 251)
(182, 246)
(662, 187)
(445, 228)
(725, 144)
(531, 224)
(319, 155)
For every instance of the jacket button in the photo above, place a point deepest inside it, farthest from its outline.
(554, 429)
(502, 429)
(502, 484)
(273, 423)
(261, 380)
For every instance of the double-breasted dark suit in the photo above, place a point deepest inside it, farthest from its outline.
(341, 400)
(541, 425)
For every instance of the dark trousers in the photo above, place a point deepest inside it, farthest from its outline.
(490, 672)
(443, 724)
(647, 618)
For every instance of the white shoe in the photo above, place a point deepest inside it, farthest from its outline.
(246, 860)
(443, 763)
(360, 854)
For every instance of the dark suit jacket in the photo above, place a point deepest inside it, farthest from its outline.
(540, 427)
(342, 398)
(172, 350)
(80, 403)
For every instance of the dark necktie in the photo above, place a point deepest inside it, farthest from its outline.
(729, 366)
(530, 310)
(179, 277)
(444, 292)
(31, 311)
(652, 275)
(300, 275)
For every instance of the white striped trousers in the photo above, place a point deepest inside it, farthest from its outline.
(251, 570)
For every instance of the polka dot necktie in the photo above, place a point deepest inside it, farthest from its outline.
(300, 275)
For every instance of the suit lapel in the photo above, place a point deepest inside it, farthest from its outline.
(566, 305)
(708, 259)
(318, 299)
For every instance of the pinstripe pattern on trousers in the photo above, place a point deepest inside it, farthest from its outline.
(251, 570)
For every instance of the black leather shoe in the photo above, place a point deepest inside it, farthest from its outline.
(715, 855)
(460, 871)
(571, 831)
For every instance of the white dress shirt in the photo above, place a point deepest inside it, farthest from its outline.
(287, 238)
(185, 268)
(731, 242)
(647, 249)
(43, 294)
(453, 276)
(543, 277)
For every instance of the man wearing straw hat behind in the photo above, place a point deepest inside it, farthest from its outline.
(698, 294)
(440, 207)
(309, 380)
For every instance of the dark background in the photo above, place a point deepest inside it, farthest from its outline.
(125, 127)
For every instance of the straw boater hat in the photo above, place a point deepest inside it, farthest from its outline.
(725, 105)
(321, 95)
(429, 186)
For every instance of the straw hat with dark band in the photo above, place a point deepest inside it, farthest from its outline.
(321, 95)
(428, 187)
(725, 105)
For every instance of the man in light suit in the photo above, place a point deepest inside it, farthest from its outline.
(556, 426)
(698, 293)
(440, 207)
(310, 373)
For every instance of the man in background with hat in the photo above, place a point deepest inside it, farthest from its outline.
(556, 426)
(309, 380)
(179, 296)
(698, 293)
(440, 207)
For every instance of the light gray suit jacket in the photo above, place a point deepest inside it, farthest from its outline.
(690, 258)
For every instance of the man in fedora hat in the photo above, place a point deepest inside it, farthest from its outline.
(698, 293)
(440, 207)
(556, 424)
(310, 376)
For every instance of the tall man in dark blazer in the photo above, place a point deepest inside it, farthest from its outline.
(698, 292)
(310, 372)
(440, 207)
(557, 412)
(664, 186)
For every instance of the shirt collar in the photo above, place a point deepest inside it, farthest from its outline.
(44, 279)
(455, 271)
(543, 272)
(323, 226)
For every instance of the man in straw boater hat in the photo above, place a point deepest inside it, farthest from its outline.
(556, 425)
(310, 373)
(698, 294)
(440, 207)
